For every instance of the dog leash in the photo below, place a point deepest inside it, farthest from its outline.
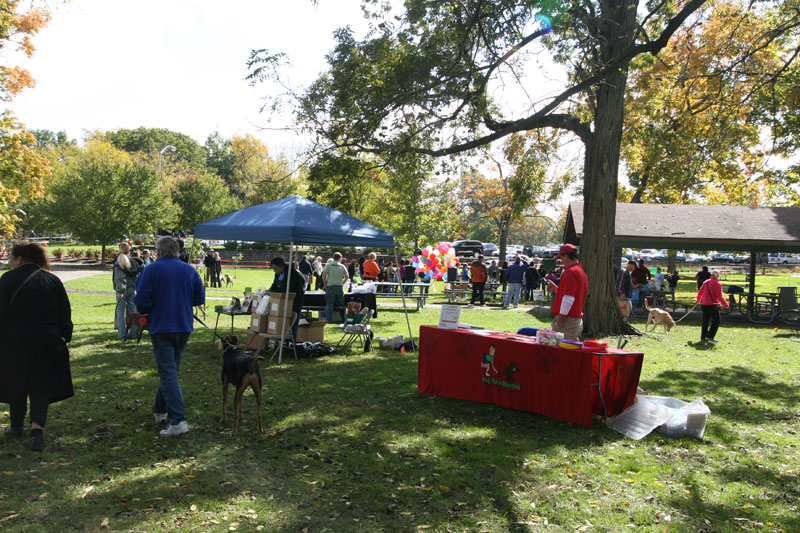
(687, 313)
(217, 335)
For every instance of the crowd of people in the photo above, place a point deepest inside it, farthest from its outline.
(35, 306)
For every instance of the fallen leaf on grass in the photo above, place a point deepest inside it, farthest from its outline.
(9, 517)
(104, 523)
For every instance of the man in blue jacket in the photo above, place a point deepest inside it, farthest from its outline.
(167, 290)
(516, 272)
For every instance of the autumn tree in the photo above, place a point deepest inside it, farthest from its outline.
(22, 169)
(695, 114)
(255, 176)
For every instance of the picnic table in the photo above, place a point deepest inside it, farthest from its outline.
(658, 298)
(419, 292)
(760, 308)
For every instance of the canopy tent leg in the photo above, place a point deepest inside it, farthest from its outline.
(403, 297)
(751, 289)
(287, 272)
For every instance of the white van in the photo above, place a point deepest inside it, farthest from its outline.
(784, 259)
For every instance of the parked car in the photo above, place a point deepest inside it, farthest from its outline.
(697, 258)
(722, 257)
(741, 258)
(551, 253)
(784, 259)
(491, 249)
(660, 255)
(467, 248)
(646, 254)
(533, 251)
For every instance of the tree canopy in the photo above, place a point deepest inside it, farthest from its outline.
(445, 77)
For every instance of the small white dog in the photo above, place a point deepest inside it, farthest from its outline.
(658, 317)
(228, 279)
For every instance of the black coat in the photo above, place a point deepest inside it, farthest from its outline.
(34, 331)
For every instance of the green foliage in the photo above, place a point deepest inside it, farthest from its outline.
(151, 141)
(219, 156)
(101, 200)
(200, 198)
(344, 183)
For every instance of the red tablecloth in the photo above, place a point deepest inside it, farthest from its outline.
(524, 375)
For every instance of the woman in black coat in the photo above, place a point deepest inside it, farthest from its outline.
(35, 327)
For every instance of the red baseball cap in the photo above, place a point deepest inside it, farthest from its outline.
(565, 249)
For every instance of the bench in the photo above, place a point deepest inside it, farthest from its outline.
(420, 298)
(459, 295)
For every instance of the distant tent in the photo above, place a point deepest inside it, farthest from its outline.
(297, 220)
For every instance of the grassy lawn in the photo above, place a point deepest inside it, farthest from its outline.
(351, 446)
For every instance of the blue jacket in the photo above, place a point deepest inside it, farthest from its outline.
(167, 290)
(516, 272)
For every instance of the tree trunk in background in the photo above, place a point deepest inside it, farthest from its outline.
(601, 166)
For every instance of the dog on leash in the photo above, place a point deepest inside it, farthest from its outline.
(658, 317)
(228, 280)
(240, 369)
(135, 319)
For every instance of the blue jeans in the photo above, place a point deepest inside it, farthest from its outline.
(514, 290)
(334, 297)
(122, 303)
(168, 349)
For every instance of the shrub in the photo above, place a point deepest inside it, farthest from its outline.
(231, 245)
(57, 253)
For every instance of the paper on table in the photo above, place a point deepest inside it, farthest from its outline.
(449, 317)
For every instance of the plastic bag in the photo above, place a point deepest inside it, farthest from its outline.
(670, 416)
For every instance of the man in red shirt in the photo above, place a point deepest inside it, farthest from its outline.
(570, 294)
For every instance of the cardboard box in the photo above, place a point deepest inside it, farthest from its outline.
(277, 302)
(258, 323)
(274, 325)
(311, 331)
(253, 341)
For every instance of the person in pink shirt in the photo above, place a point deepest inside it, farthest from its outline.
(711, 299)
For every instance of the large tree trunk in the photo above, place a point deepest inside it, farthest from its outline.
(601, 165)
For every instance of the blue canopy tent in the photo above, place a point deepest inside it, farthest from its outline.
(297, 220)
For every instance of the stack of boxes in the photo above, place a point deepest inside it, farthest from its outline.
(272, 320)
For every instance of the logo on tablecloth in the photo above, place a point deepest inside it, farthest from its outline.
(492, 375)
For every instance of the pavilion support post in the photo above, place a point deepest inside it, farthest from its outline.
(751, 289)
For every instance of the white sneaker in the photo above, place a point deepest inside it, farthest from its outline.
(715, 341)
(159, 417)
(175, 429)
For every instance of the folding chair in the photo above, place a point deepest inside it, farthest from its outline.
(360, 330)
(266, 338)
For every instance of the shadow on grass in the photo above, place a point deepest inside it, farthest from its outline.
(348, 438)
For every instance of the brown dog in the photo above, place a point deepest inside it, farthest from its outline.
(135, 319)
(658, 317)
(242, 370)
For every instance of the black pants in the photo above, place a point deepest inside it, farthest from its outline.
(710, 313)
(477, 291)
(19, 407)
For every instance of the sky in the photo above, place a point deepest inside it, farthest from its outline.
(175, 64)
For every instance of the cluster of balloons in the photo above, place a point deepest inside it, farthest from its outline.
(433, 262)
